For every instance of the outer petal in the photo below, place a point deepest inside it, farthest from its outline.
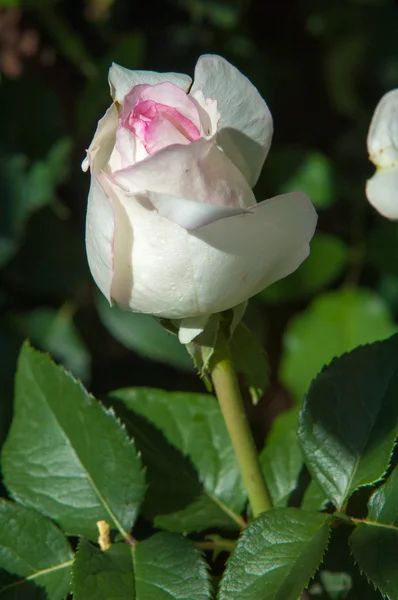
(100, 231)
(383, 132)
(177, 274)
(245, 127)
(121, 80)
(252, 251)
(198, 171)
(190, 214)
(382, 192)
(190, 328)
(103, 142)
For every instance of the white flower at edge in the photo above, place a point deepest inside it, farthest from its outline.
(382, 188)
(173, 228)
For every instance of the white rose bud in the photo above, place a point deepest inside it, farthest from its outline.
(173, 228)
(382, 188)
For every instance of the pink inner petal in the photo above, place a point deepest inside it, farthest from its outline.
(153, 122)
(159, 116)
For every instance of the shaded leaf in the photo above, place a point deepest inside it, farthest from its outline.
(164, 566)
(45, 175)
(314, 497)
(205, 512)
(173, 480)
(168, 566)
(349, 420)
(24, 190)
(336, 585)
(314, 177)
(101, 575)
(66, 455)
(144, 335)
(375, 546)
(334, 323)
(375, 550)
(250, 361)
(383, 505)
(276, 556)
(34, 549)
(193, 425)
(281, 459)
(55, 332)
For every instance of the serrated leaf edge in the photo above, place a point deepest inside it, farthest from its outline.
(245, 532)
(363, 573)
(109, 412)
(301, 413)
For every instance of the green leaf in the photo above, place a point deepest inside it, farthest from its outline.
(173, 480)
(276, 556)
(281, 458)
(66, 455)
(383, 505)
(34, 549)
(103, 575)
(326, 262)
(168, 566)
(162, 567)
(143, 334)
(374, 542)
(193, 425)
(205, 512)
(45, 175)
(314, 497)
(374, 547)
(336, 585)
(250, 361)
(349, 420)
(335, 322)
(314, 177)
(26, 190)
(55, 332)
(201, 348)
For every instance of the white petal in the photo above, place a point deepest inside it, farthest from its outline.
(383, 132)
(208, 111)
(100, 230)
(197, 171)
(190, 328)
(178, 274)
(382, 192)
(188, 213)
(103, 142)
(245, 127)
(121, 80)
(252, 251)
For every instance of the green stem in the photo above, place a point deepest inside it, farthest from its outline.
(230, 399)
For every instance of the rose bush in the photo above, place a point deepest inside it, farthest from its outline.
(382, 188)
(173, 228)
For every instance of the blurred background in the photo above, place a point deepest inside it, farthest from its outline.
(321, 65)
